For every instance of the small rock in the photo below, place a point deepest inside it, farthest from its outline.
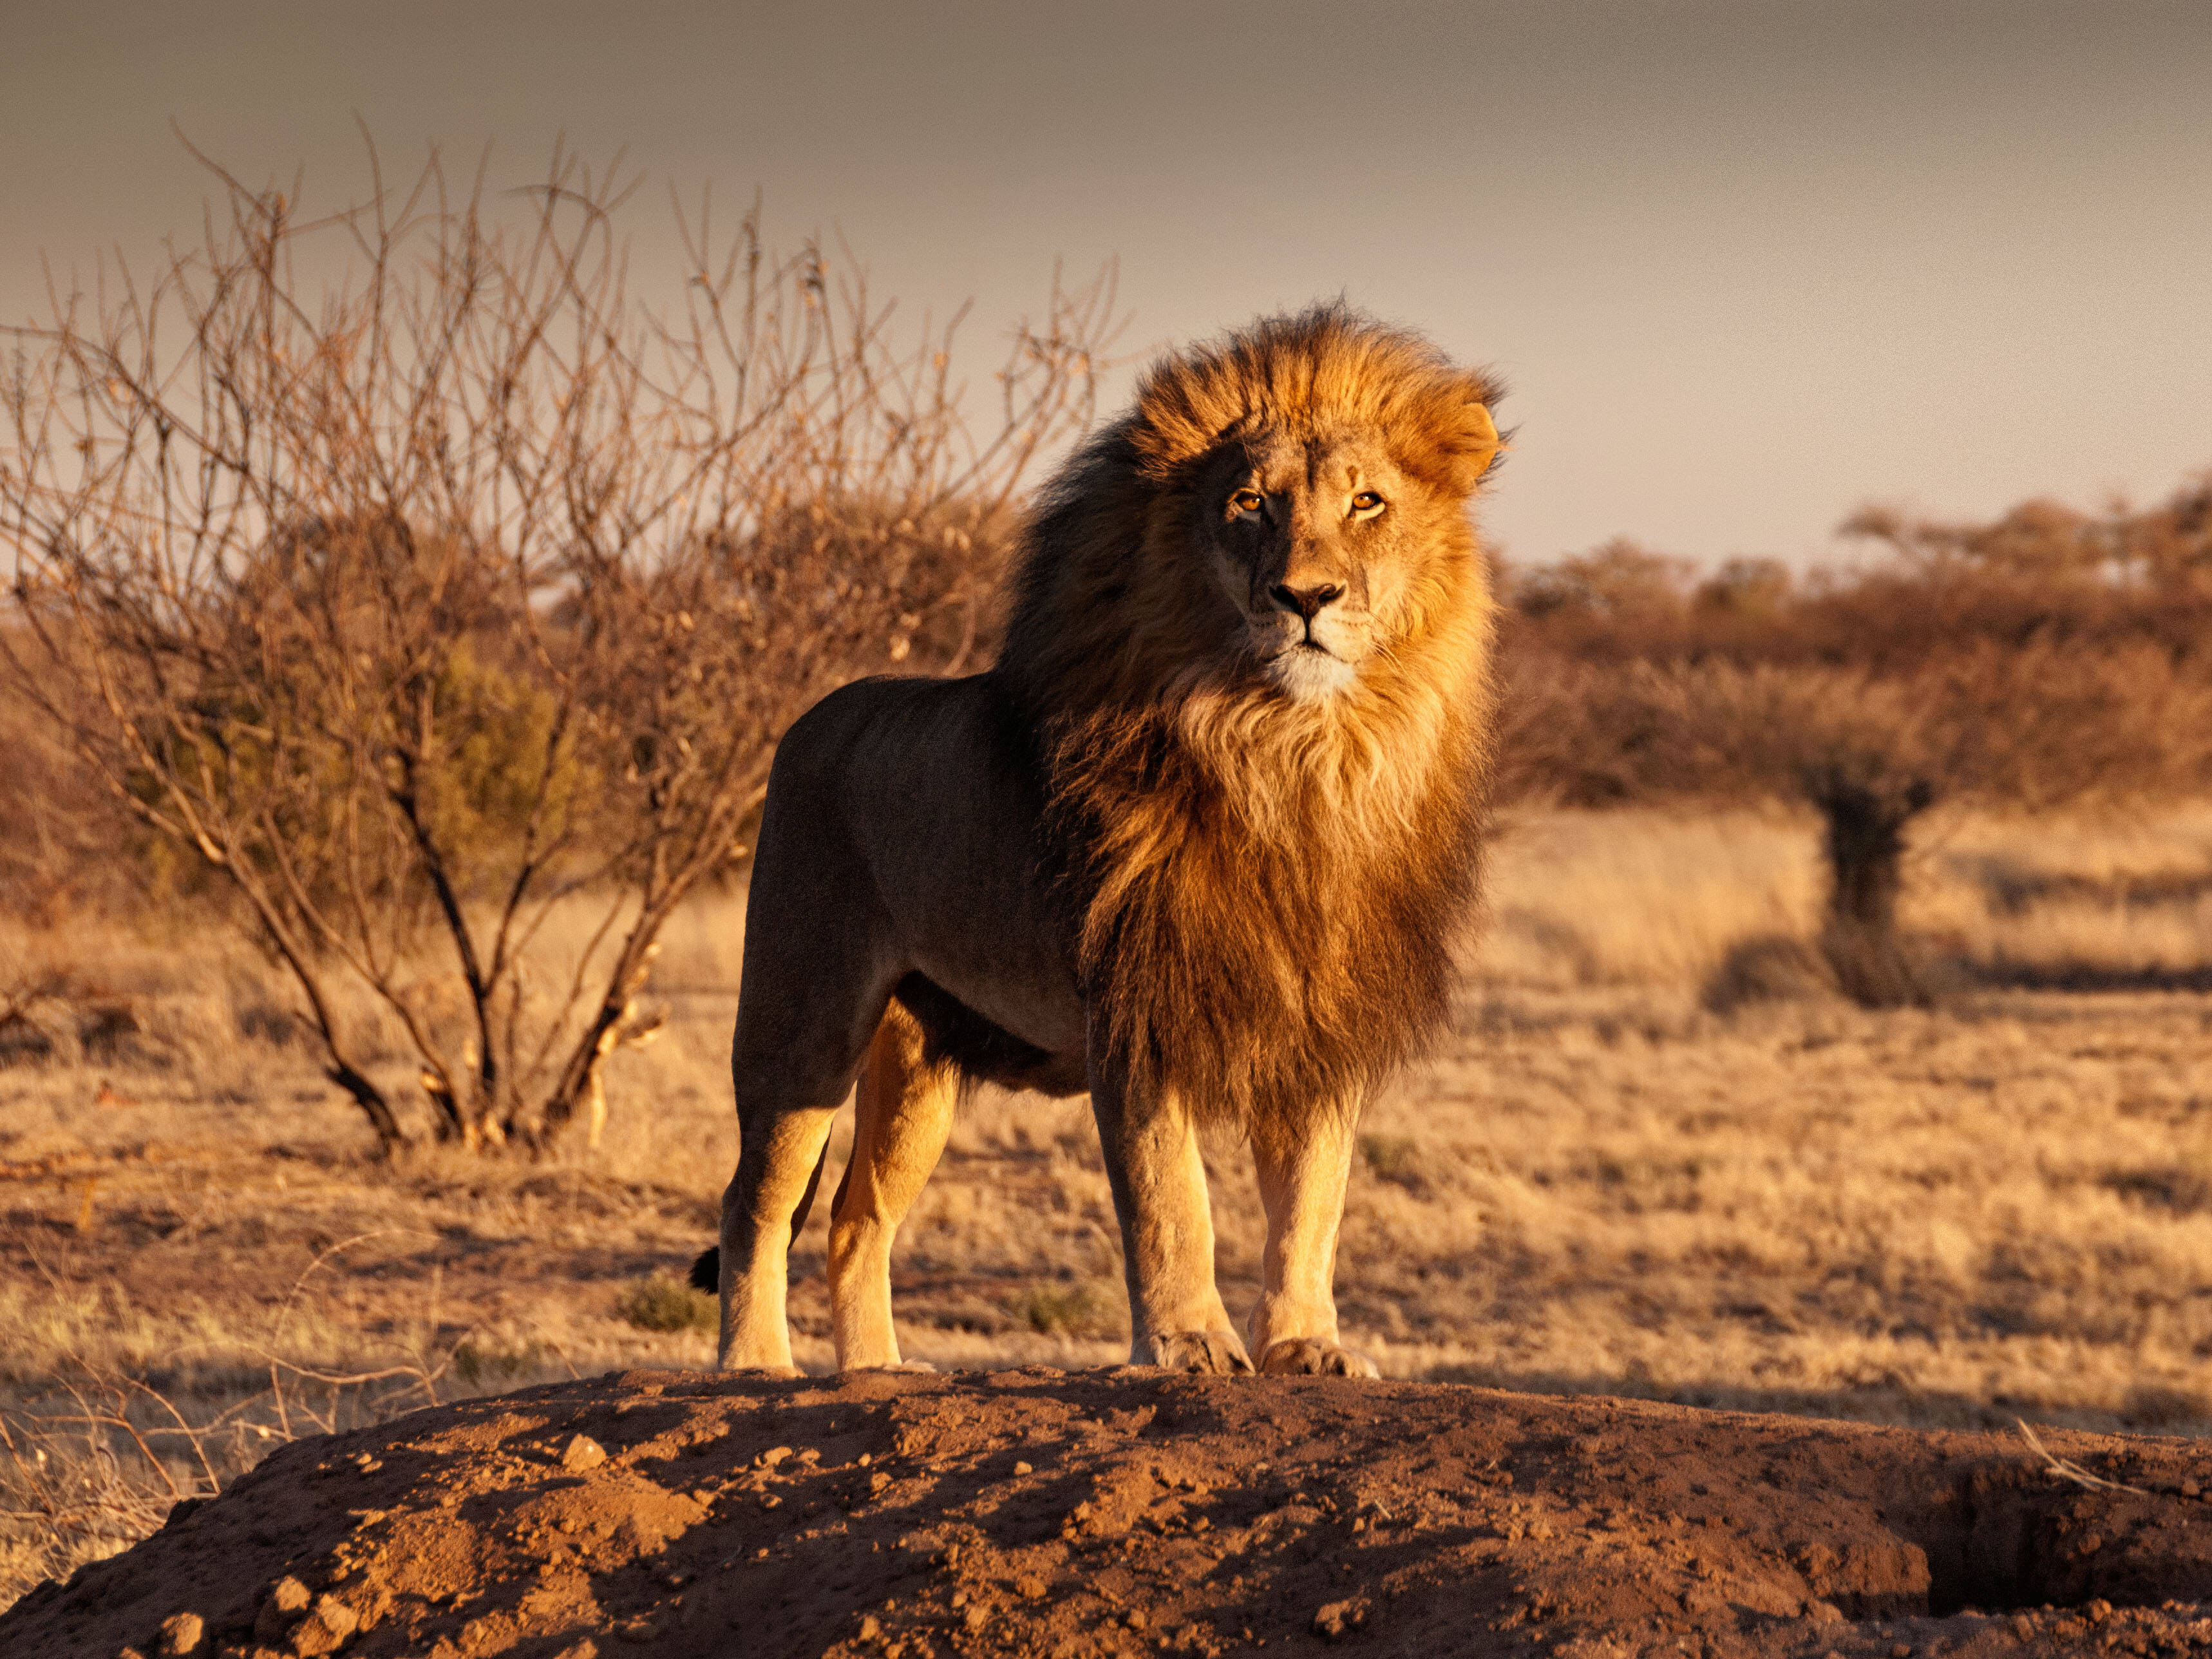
(183, 1634)
(1334, 1621)
(1024, 1468)
(583, 1453)
(870, 1629)
(1823, 1613)
(286, 1599)
(1030, 1588)
(326, 1628)
(774, 1455)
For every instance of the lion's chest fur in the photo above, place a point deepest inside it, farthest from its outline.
(1267, 916)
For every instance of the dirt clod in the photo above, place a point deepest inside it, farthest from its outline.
(1211, 1515)
(583, 1453)
(1337, 1620)
(288, 1597)
(326, 1628)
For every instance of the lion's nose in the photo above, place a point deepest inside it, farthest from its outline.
(1306, 601)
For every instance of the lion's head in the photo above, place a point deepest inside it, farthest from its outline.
(1280, 508)
(1250, 629)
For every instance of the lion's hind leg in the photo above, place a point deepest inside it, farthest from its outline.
(803, 1028)
(776, 1171)
(905, 1106)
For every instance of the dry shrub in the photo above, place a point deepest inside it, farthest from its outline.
(412, 609)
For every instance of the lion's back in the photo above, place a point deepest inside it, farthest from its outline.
(917, 801)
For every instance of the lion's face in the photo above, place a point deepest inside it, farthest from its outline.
(1316, 542)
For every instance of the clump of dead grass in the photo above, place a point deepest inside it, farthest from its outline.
(669, 1304)
(1082, 1309)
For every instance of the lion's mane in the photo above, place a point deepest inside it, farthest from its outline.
(1268, 890)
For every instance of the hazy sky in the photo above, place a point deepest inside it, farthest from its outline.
(1745, 266)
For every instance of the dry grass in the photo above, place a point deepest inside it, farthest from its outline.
(2002, 1206)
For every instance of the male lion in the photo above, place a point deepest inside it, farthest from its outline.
(1198, 844)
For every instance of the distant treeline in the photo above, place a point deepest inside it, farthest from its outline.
(2048, 657)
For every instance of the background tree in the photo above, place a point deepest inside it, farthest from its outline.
(2046, 659)
(422, 584)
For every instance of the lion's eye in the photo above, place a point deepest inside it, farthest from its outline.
(1246, 500)
(1366, 502)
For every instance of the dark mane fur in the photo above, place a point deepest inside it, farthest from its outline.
(1270, 892)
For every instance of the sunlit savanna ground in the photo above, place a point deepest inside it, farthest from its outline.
(1599, 1183)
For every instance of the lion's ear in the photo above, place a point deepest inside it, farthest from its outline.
(1470, 437)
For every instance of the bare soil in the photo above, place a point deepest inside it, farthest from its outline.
(1124, 1511)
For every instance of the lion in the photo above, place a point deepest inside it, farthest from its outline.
(1200, 844)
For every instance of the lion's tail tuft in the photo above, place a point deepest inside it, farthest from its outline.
(706, 1271)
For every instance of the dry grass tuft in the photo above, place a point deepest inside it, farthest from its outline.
(1084, 1309)
(669, 1304)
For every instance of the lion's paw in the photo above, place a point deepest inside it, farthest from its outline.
(1310, 1356)
(1216, 1354)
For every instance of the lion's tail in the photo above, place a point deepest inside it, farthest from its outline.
(706, 1271)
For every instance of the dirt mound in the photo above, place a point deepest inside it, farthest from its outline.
(1044, 1512)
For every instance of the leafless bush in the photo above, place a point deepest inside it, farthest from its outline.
(420, 601)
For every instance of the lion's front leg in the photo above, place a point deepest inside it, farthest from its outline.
(1302, 1185)
(1176, 1319)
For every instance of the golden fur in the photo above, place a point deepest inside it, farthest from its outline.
(1200, 843)
(1271, 887)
